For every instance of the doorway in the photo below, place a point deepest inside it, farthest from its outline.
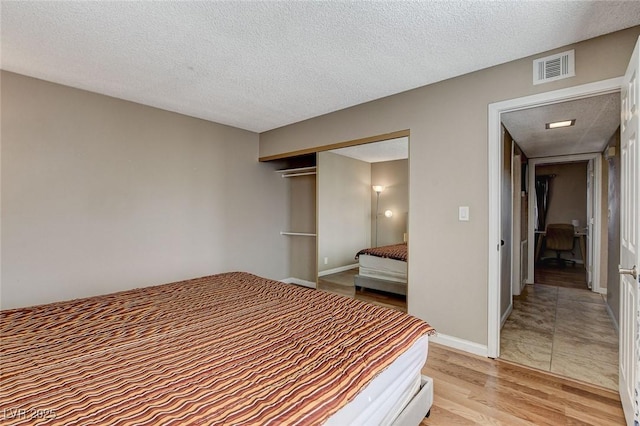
(495, 157)
(629, 207)
(497, 154)
(582, 173)
(569, 200)
(558, 323)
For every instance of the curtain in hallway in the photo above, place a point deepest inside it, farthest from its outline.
(543, 184)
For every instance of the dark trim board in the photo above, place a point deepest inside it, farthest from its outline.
(362, 141)
(382, 285)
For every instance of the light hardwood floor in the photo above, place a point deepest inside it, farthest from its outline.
(569, 276)
(469, 389)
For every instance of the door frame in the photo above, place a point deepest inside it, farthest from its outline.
(495, 174)
(594, 247)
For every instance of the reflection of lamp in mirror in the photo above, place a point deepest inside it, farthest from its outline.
(388, 213)
(378, 189)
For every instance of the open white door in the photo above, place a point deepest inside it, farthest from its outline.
(630, 238)
(505, 232)
(516, 236)
(588, 262)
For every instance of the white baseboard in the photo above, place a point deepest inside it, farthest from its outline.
(613, 319)
(461, 344)
(506, 315)
(299, 281)
(602, 291)
(336, 270)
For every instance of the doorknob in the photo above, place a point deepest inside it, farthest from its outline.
(633, 271)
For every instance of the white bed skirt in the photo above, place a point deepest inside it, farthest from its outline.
(382, 268)
(387, 395)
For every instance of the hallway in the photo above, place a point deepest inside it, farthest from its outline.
(559, 327)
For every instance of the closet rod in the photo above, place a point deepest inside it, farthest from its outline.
(300, 234)
(297, 174)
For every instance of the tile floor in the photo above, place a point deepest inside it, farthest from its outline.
(567, 331)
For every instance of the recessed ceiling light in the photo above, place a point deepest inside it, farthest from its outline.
(558, 124)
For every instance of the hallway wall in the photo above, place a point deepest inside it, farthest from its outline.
(448, 137)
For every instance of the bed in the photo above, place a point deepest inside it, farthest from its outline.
(383, 268)
(231, 348)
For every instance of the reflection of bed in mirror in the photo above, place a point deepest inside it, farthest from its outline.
(351, 215)
(383, 268)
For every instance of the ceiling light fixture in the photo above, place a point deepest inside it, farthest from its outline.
(559, 124)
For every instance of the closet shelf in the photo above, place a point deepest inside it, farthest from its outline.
(297, 234)
(300, 171)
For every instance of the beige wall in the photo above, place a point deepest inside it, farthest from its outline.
(568, 192)
(449, 168)
(301, 214)
(394, 175)
(344, 211)
(100, 194)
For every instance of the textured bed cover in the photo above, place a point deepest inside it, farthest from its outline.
(393, 251)
(227, 349)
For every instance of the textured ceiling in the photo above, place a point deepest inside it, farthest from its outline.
(597, 118)
(262, 65)
(389, 150)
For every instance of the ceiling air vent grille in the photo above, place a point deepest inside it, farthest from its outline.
(554, 67)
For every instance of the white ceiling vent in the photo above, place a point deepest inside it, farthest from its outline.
(554, 67)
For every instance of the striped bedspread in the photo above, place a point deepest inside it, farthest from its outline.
(394, 251)
(226, 349)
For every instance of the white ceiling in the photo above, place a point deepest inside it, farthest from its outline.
(262, 65)
(597, 118)
(375, 152)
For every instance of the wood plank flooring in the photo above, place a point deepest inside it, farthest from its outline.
(569, 276)
(469, 389)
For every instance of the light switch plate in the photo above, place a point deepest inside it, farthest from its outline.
(463, 213)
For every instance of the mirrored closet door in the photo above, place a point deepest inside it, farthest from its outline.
(362, 218)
